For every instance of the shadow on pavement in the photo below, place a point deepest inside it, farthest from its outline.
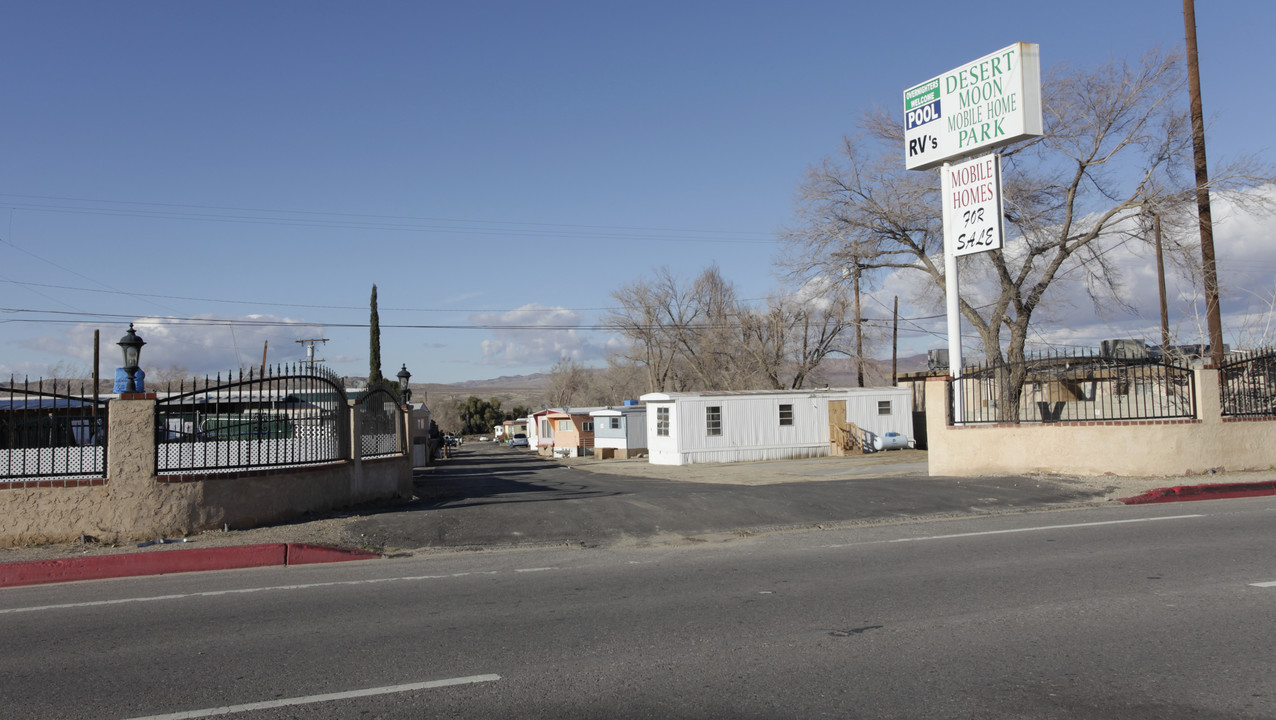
(493, 474)
(487, 495)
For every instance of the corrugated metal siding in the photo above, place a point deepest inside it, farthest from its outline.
(751, 427)
(602, 428)
(861, 409)
(752, 421)
(635, 425)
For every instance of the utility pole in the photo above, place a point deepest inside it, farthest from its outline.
(1210, 271)
(310, 351)
(1160, 284)
(895, 344)
(859, 331)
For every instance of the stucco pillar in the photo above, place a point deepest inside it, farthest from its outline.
(938, 434)
(132, 492)
(1209, 396)
(356, 447)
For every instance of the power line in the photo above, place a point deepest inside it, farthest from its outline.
(81, 317)
(399, 223)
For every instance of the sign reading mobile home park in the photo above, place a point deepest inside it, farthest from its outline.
(984, 104)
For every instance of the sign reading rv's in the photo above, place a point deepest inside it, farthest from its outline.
(990, 102)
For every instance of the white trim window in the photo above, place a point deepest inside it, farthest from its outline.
(662, 422)
(786, 414)
(713, 420)
(883, 407)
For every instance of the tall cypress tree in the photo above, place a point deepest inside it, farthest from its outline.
(374, 333)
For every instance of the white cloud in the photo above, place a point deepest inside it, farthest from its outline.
(201, 348)
(536, 335)
(1246, 259)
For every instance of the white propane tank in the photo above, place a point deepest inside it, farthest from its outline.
(890, 441)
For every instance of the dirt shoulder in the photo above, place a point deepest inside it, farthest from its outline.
(893, 463)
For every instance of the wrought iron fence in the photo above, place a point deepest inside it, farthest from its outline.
(1249, 383)
(47, 433)
(380, 433)
(286, 416)
(1071, 388)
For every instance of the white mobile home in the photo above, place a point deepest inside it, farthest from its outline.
(620, 432)
(686, 428)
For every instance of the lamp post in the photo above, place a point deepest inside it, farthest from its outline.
(131, 344)
(404, 376)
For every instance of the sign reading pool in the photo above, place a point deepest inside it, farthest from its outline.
(990, 102)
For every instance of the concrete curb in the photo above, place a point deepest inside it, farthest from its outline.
(38, 572)
(1184, 493)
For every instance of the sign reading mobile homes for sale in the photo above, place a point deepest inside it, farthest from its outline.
(972, 204)
(987, 103)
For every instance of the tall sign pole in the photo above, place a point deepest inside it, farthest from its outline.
(984, 104)
(952, 298)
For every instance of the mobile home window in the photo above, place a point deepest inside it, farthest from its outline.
(883, 407)
(786, 414)
(662, 421)
(587, 426)
(564, 425)
(713, 420)
(615, 423)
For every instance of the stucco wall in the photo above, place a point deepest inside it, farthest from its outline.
(1136, 447)
(132, 503)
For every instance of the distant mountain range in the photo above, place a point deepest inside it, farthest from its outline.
(836, 372)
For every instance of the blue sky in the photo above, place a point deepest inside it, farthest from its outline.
(259, 166)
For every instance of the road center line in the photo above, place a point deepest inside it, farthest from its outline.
(326, 697)
(1021, 530)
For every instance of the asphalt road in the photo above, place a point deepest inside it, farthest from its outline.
(1159, 611)
(489, 496)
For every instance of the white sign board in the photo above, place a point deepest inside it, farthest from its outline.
(972, 205)
(990, 102)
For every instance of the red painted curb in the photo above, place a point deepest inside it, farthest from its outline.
(307, 554)
(37, 572)
(1185, 493)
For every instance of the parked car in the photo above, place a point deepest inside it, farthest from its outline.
(483, 438)
(519, 440)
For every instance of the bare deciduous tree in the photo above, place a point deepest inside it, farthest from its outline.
(789, 338)
(1116, 142)
(649, 316)
(701, 337)
(569, 384)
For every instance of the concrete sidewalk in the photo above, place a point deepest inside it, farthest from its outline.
(490, 496)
